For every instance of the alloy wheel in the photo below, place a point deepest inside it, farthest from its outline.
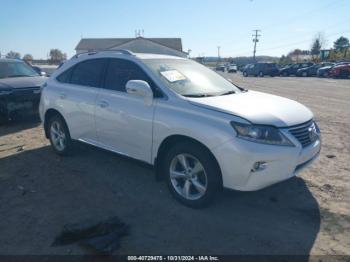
(188, 176)
(58, 136)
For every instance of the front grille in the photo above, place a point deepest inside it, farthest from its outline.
(305, 133)
(25, 93)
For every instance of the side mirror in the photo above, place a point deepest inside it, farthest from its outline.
(140, 88)
(42, 73)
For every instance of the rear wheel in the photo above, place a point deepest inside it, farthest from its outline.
(59, 135)
(193, 176)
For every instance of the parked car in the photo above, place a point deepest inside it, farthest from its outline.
(312, 70)
(340, 71)
(48, 69)
(200, 131)
(232, 68)
(324, 71)
(293, 69)
(19, 88)
(221, 68)
(261, 69)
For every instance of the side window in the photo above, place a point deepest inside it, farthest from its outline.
(120, 71)
(88, 73)
(65, 76)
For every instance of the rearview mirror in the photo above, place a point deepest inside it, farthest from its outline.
(140, 88)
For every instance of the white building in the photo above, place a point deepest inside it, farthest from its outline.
(166, 46)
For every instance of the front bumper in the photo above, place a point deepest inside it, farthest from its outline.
(237, 158)
(24, 100)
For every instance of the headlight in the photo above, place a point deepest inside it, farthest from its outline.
(261, 134)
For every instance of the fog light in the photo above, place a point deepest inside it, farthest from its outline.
(259, 166)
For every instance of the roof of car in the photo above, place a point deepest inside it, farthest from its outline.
(10, 60)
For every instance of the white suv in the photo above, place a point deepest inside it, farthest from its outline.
(201, 132)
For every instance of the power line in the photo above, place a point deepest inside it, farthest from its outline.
(246, 52)
(255, 40)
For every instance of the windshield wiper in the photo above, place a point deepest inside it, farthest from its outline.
(18, 76)
(198, 95)
(228, 93)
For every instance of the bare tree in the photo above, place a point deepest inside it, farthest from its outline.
(57, 56)
(13, 54)
(28, 57)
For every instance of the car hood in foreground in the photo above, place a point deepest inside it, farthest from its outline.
(258, 108)
(21, 82)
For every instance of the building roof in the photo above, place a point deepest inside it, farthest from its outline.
(107, 43)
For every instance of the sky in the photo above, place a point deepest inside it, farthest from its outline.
(36, 26)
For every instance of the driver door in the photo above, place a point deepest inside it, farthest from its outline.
(124, 121)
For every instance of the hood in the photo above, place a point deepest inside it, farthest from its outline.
(258, 108)
(21, 82)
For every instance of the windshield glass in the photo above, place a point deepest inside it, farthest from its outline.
(189, 78)
(16, 69)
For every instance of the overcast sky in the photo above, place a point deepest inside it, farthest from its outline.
(35, 26)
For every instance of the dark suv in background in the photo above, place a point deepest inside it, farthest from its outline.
(261, 69)
(293, 69)
(20, 87)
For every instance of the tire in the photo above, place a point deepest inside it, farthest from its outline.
(261, 74)
(192, 189)
(59, 135)
(245, 74)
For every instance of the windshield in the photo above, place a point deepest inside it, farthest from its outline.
(189, 78)
(16, 69)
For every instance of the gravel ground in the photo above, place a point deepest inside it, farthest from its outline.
(308, 214)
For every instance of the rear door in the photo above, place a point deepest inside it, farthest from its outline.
(77, 92)
(124, 121)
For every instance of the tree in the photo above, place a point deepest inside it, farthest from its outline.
(285, 60)
(28, 57)
(341, 43)
(56, 56)
(13, 54)
(316, 50)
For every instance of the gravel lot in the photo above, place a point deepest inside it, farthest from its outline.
(309, 214)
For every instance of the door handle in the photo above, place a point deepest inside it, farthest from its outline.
(63, 96)
(102, 104)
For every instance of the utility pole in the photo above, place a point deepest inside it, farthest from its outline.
(219, 53)
(255, 40)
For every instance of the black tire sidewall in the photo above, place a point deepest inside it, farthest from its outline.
(211, 168)
(66, 132)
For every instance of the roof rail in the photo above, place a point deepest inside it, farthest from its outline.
(93, 52)
(122, 51)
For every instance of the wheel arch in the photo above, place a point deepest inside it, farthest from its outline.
(170, 141)
(48, 114)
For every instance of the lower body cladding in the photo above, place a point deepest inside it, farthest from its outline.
(248, 166)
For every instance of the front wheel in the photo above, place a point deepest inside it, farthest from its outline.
(193, 175)
(59, 135)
